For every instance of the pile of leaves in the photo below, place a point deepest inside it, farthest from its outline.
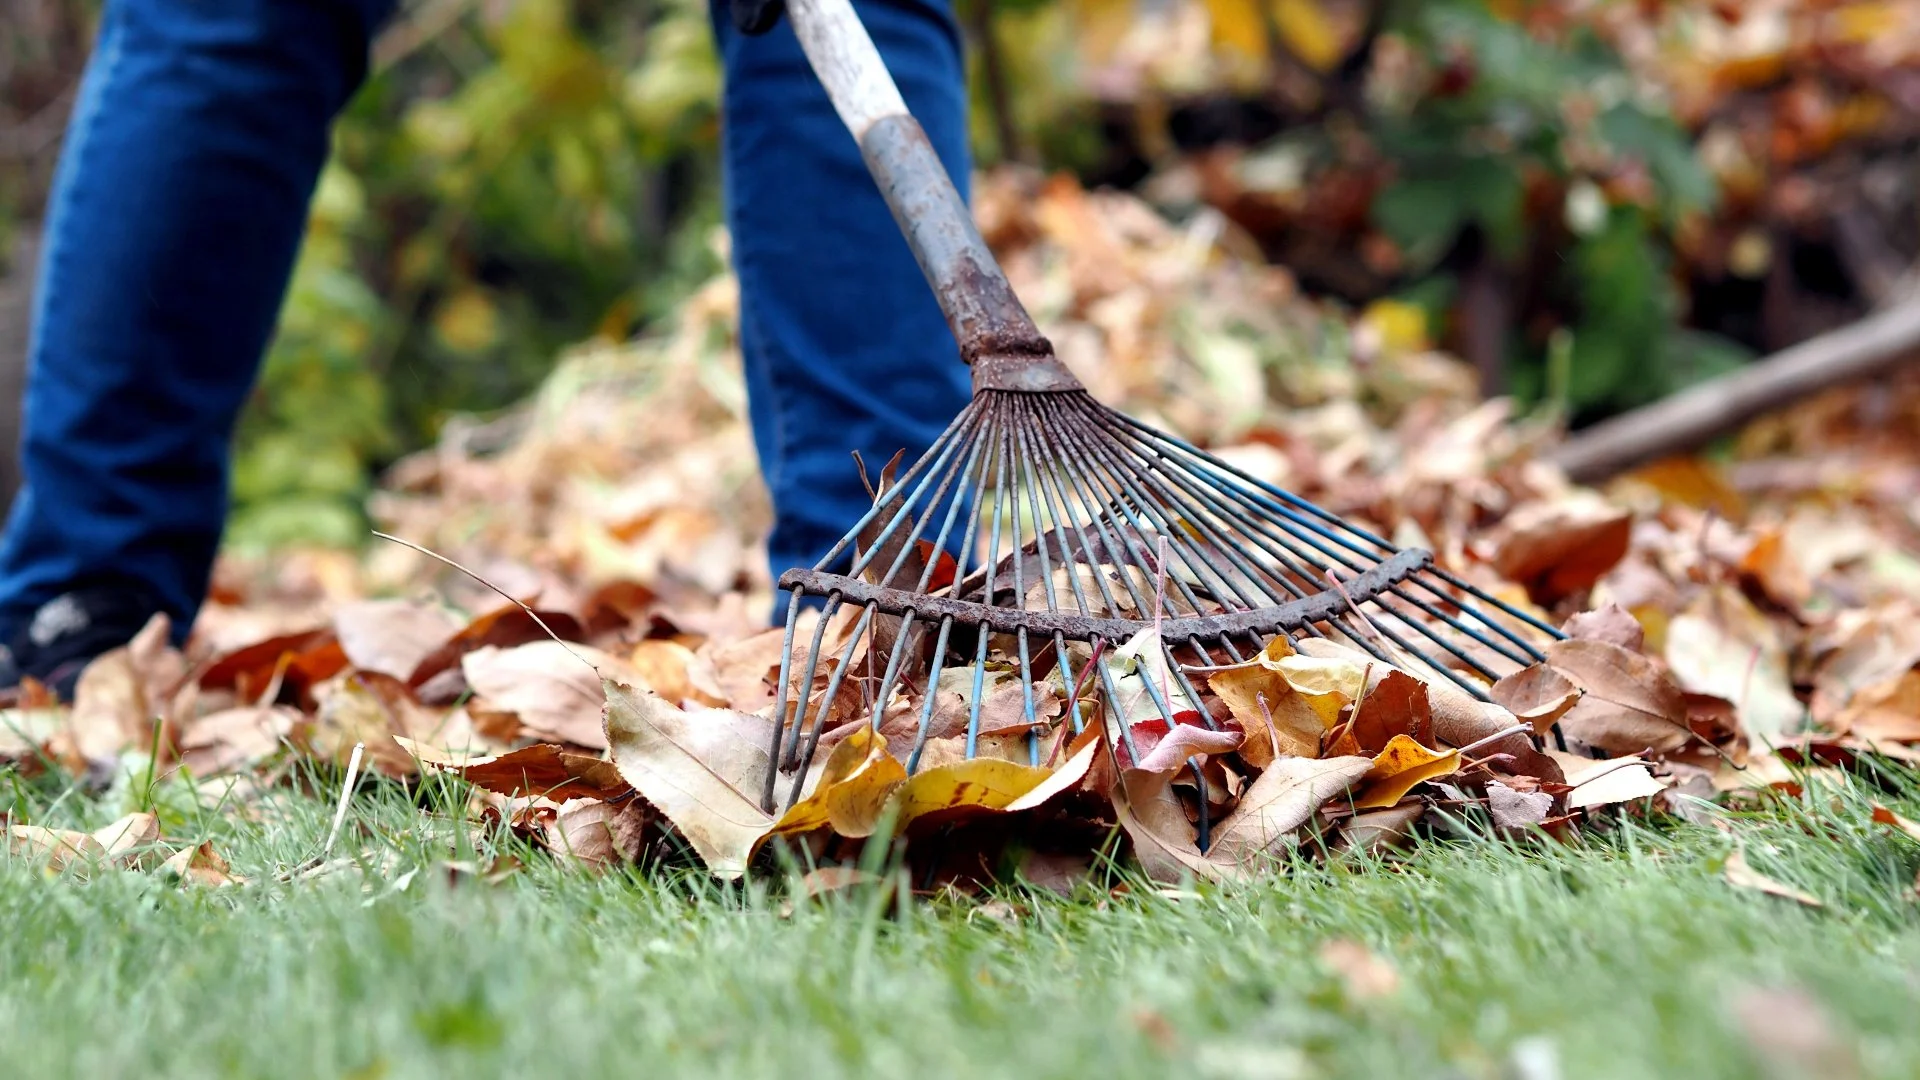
(1726, 618)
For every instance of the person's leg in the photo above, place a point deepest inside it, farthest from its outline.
(845, 347)
(178, 206)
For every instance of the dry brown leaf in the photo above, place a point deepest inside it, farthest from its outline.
(1372, 831)
(363, 707)
(541, 771)
(1163, 839)
(1610, 623)
(60, 848)
(1460, 719)
(1560, 549)
(1722, 646)
(1514, 809)
(233, 739)
(744, 671)
(598, 833)
(292, 662)
(659, 750)
(1395, 704)
(127, 839)
(553, 689)
(124, 692)
(1628, 704)
(391, 636)
(1281, 800)
(1743, 876)
(1060, 873)
(1397, 768)
(1538, 696)
(502, 628)
(1278, 720)
(199, 865)
(667, 667)
(1887, 712)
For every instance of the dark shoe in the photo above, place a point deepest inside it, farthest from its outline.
(68, 631)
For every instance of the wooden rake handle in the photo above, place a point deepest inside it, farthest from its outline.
(995, 333)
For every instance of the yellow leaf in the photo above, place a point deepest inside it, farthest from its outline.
(1327, 684)
(467, 321)
(1304, 26)
(1401, 765)
(1402, 326)
(1241, 25)
(1237, 25)
(1279, 721)
(987, 783)
(852, 790)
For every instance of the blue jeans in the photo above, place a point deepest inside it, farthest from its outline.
(180, 201)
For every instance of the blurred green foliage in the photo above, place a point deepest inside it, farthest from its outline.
(509, 186)
(1563, 118)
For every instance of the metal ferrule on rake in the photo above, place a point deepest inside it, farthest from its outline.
(1071, 528)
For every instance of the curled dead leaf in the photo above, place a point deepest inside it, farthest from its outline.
(852, 790)
(200, 865)
(1281, 800)
(1397, 768)
(540, 771)
(658, 750)
(1628, 703)
(1515, 809)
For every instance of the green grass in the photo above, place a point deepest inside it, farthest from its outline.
(1623, 955)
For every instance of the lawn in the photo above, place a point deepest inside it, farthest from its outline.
(1628, 955)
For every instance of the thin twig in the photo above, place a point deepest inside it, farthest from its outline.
(1517, 729)
(531, 614)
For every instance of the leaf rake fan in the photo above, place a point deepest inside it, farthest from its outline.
(1076, 527)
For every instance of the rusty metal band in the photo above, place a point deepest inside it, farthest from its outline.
(996, 335)
(1319, 607)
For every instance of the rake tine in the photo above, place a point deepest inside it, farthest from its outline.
(1037, 493)
(1505, 607)
(933, 682)
(780, 701)
(965, 419)
(1199, 650)
(826, 702)
(1020, 598)
(806, 681)
(993, 582)
(1140, 556)
(893, 666)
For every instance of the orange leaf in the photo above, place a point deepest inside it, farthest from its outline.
(1397, 768)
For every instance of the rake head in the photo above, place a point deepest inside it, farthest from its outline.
(1048, 550)
(1044, 533)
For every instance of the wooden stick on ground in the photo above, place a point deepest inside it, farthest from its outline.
(1873, 346)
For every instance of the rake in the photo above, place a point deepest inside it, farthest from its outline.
(1043, 533)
